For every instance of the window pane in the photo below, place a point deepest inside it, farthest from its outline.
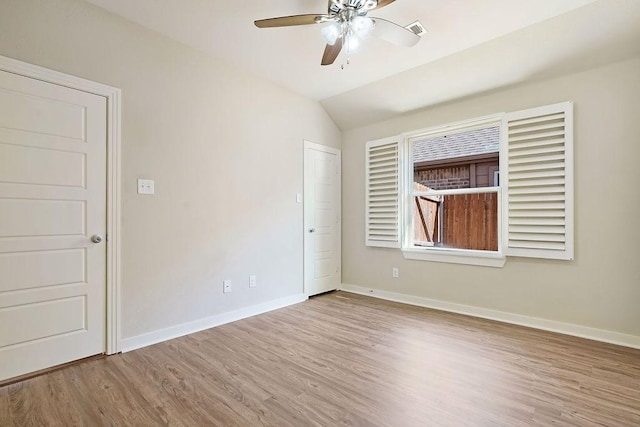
(461, 160)
(466, 159)
(461, 221)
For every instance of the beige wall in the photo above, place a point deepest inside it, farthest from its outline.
(224, 148)
(601, 288)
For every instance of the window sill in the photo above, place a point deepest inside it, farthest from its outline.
(453, 256)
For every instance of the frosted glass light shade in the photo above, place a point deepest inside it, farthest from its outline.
(331, 33)
(353, 31)
(362, 26)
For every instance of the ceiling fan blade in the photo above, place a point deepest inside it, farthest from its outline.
(287, 21)
(383, 3)
(331, 52)
(394, 33)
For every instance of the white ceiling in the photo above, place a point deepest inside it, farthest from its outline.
(291, 56)
(472, 47)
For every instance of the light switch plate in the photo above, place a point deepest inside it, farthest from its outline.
(298, 197)
(146, 186)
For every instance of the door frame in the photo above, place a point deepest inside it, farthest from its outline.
(113, 96)
(308, 145)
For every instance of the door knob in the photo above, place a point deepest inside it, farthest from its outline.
(312, 230)
(96, 238)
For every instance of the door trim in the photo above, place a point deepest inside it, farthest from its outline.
(114, 203)
(319, 147)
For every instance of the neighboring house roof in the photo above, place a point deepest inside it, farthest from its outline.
(477, 142)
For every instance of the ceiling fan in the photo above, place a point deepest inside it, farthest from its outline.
(348, 25)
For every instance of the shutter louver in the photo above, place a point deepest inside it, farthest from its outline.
(538, 183)
(383, 193)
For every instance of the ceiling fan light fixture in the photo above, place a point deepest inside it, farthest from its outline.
(331, 33)
(362, 26)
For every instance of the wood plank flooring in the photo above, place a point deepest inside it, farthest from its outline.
(344, 359)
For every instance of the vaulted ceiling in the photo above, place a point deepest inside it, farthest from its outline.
(542, 34)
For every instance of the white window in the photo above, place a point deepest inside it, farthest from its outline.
(477, 191)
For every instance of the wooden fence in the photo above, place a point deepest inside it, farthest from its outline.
(426, 212)
(471, 221)
(462, 221)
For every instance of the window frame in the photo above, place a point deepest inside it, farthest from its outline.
(440, 254)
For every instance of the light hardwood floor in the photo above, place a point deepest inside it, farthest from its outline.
(344, 359)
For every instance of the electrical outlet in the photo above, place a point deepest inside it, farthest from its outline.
(146, 186)
(226, 286)
(253, 281)
(395, 273)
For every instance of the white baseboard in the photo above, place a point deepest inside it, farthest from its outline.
(501, 316)
(150, 338)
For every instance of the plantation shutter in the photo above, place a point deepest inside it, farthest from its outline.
(537, 185)
(383, 166)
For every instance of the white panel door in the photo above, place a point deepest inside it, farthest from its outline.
(321, 219)
(52, 200)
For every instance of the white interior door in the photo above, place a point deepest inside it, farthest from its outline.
(322, 230)
(52, 200)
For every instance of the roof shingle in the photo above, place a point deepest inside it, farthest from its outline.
(463, 144)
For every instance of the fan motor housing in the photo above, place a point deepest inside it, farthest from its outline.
(336, 6)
